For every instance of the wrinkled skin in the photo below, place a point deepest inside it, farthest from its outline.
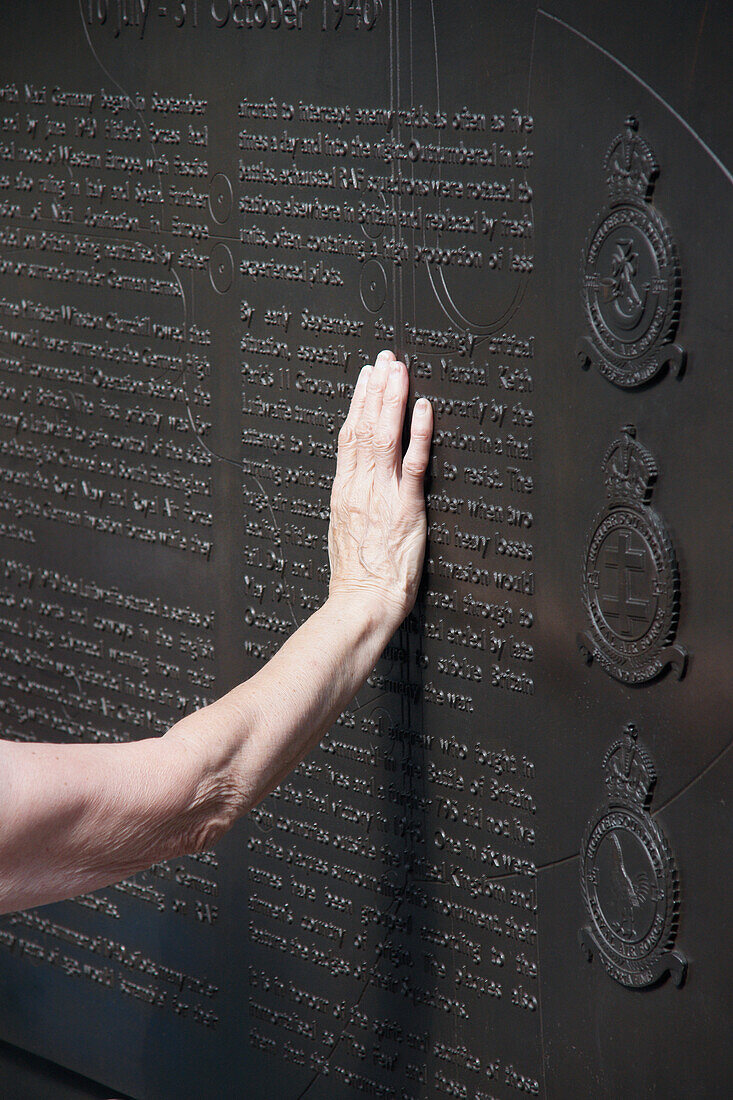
(74, 818)
(378, 527)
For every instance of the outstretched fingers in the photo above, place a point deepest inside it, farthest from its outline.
(372, 408)
(415, 462)
(388, 432)
(347, 444)
(371, 436)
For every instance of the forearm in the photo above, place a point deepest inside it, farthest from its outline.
(78, 817)
(253, 736)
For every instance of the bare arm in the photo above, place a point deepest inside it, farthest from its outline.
(74, 818)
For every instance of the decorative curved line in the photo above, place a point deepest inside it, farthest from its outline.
(695, 779)
(647, 87)
(443, 296)
(442, 293)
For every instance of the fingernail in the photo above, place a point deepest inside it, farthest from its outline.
(364, 373)
(422, 407)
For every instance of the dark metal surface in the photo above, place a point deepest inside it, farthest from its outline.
(25, 1076)
(505, 871)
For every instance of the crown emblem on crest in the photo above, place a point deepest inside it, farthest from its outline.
(630, 774)
(630, 164)
(629, 469)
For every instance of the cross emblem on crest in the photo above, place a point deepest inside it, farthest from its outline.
(630, 575)
(624, 608)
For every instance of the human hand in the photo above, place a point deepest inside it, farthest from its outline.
(376, 539)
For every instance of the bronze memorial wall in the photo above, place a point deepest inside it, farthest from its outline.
(503, 873)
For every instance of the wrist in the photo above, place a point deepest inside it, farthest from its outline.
(367, 611)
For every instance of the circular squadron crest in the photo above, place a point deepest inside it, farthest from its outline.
(628, 876)
(630, 576)
(631, 277)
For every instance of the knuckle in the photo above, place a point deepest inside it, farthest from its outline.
(421, 433)
(384, 441)
(413, 467)
(363, 431)
(392, 399)
(346, 435)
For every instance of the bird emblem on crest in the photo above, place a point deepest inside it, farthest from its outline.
(628, 876)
